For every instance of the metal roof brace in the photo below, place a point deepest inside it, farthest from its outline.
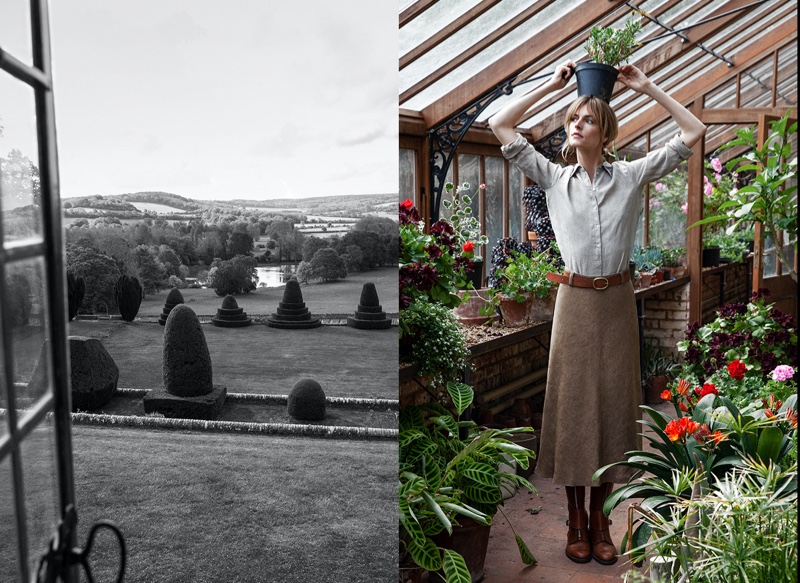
(680, 34)
(445, 138)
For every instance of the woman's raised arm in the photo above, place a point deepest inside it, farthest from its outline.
(504, 121)
(692, 129)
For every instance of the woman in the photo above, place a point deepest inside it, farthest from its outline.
(593, 384)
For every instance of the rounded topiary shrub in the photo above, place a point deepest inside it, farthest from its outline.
(229, 303)
(187, 362)
(128, 294)
(307, 401)
(174, 297)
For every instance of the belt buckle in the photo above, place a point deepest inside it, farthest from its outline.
(596, 279)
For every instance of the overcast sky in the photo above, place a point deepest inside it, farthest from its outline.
(216, 100)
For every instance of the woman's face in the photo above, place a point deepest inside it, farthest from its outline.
(583, 131)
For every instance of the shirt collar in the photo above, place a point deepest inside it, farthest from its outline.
(609, 167)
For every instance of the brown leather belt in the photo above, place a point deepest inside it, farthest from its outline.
(599, 283)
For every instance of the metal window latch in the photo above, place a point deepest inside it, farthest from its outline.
(59, 558)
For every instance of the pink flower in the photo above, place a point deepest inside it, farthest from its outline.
(685, 207)
(705, 179)
(482, 186)
(708, 189)
(718, 177)
(782, 372)
(716, 164)
(659, 187)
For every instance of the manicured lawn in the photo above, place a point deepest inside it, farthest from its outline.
(337, 297)
(202, 507)
(347, 362)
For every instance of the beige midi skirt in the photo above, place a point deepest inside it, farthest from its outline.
(594, 387)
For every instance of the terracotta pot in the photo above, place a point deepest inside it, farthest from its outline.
(520, 408)
(647, 279)
(514, 313)
(678, 271)
(658, 277)
(471, 541)
(542, 309)
(653, 389)
(468, 313)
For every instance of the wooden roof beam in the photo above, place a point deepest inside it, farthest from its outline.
(415, 10)
(663, 56)
(509, 65)
(447, 31)
(711, 79)
(473, 50)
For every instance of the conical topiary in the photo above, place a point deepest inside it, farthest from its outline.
(174, 297)
(369, 315)
(230, 315)
(75, 292)
(128, 294)
(188, 390)
(292, 312)
(306, 401)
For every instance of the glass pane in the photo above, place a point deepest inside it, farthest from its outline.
(408, 178)
(8, 525)
(15, 31)
(39, 478)
(770, 264)
(25, 299)
(668, 204)
(756, 85)
(515, 187)
(787, 76)
(494, 202)
(19, 171)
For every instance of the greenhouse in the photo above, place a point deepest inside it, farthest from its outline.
(492, 347)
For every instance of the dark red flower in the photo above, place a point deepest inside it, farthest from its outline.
(737, 369)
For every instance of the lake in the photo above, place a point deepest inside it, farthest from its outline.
(275, 275)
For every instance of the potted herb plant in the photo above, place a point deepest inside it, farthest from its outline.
(607, 47)
(658, 368)
(467, 228)
(449, 479)
(523, 293)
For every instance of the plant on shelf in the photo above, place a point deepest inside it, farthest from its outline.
(730, 245)
(756, 334)
(648, 259)
(770, 197)
(467, 228)
(432, 265)
(610, 46)
(449, 471)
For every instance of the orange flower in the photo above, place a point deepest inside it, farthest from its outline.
(791, 417)
(769, 414)
(717, 436)
(666, 395)
(683, 387)
(679, 429)
(683, 407)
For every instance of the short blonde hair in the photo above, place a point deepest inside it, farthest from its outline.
(604, 117)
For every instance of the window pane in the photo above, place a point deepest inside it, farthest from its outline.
(25, 310)
(515, 187)
(19, 171)
(668, 198)
(408, 175)
(494, 203)
(15, 32)
(8, 525)
(39, 479)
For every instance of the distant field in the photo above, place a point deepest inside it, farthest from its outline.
(154, 207)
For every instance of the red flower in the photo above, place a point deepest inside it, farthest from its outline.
(666, 395)
(683, 387)
(407, 204)
(683, 407)
(468, 247)
(737, 369)
(707, 389)
(679, 429)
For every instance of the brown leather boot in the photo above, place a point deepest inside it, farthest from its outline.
(578, 548)
(603, 549)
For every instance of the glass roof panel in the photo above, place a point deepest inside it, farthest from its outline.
(434, 19)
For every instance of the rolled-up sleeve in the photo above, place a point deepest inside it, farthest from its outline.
(660, 162)
(531, 162)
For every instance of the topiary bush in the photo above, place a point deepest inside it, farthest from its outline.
(187, 362)
(307, 401)
(128, 294)
(75, 291)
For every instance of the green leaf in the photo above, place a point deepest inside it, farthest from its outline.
(425, 555)
(437, 510)
(461, 395)
(769, 444)
(483, 493)
(455, 568)
(524, 553)
(475, 515)
(482, 473)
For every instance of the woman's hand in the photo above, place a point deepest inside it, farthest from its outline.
(562, 74)
(633, 78)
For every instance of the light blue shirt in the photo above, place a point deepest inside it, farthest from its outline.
(595, 222)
